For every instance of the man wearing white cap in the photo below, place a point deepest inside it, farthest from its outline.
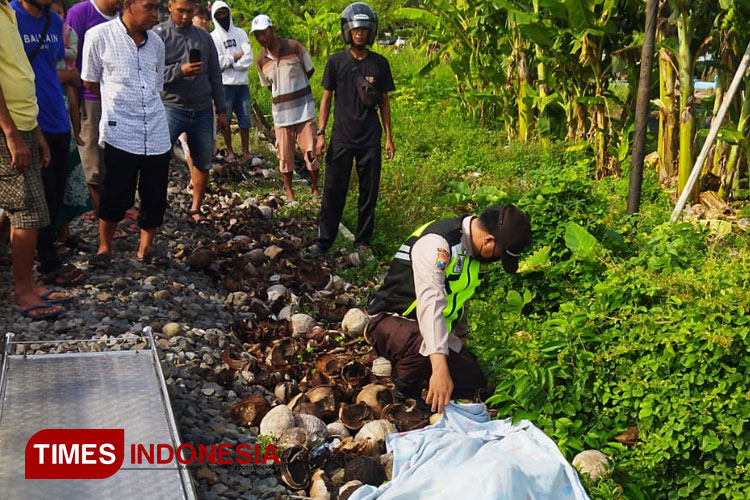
(285, 67)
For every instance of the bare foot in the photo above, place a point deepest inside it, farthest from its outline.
(31, 299)
(53, 296)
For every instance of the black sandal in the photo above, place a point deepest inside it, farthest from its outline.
(65, 275)
(101, 261)
(153, 257)
(75, 242)
(201, 221)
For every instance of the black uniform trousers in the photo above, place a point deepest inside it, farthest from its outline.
(335, 186)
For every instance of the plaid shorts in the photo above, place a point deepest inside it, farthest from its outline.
(35, 215)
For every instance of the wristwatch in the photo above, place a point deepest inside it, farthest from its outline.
(320, 131)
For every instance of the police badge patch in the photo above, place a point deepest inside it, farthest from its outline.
(443, 256)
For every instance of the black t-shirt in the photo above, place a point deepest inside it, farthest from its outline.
(355, 125)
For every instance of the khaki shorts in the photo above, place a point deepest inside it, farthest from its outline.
(304, 135)
(91, 154)
(35, 214)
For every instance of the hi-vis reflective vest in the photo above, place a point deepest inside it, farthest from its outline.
(462, 275)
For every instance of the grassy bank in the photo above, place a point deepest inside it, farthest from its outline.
(615, 322)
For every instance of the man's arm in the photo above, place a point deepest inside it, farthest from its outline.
(92, 87)
(69, 77)
(91, 72)
(246, 60)
(385, 115)
(306, 62)
(430, 255)
(325, 110)
(20, 154)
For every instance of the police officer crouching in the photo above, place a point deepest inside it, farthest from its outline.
(420, 312)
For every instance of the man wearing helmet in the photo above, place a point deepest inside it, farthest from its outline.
(359, 81)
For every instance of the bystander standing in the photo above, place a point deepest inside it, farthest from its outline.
(192, 83)
(285, 67)
(359, 80)
(123, 63)
(235, 58)
(82, 17)
(42, 35)
(23, 152)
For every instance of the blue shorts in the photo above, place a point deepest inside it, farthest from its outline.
(199, 127)
(238, 101)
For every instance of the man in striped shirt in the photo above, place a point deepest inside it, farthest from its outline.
(285, 67)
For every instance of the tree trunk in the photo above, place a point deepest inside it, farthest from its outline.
(524, 110)
(543, 126)
(731, 181)
(642, 109)
(667, 144)
(687, 101)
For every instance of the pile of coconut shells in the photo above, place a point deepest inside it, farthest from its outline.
(322, 394)
(329, 406)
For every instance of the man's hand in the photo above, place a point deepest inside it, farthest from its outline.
(69, 77)
(320, 146)
(20, 154)
(221, 121)
(44, 155)
(238, 56)
(390, 149)
(191, 69)
(441, 384)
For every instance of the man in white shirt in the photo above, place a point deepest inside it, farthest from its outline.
(123, 62)
(235, 58)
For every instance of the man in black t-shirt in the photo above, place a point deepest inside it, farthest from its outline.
(356, 127)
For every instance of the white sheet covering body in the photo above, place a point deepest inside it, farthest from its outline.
(468, 456)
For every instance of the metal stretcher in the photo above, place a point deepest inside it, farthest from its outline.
(122, 389)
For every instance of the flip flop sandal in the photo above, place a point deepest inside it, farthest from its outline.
(201, 221)
(153, 257)
(129, 226)
(77, 243)
(90, 216)
(27, 312)
(131, 214)
(65, 275)
(46, 297)
(101, 261)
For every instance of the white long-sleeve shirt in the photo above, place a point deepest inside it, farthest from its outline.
(429, 287)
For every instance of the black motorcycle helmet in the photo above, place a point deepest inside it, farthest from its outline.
(359, 15)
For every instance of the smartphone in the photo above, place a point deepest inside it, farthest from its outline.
(194, 55)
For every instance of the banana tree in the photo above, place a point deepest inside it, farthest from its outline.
(693, 24)
(590, 22)
(667, 102)
(731, 182)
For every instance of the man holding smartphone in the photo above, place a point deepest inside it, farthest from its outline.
(192, 81)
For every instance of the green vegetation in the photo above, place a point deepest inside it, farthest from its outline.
(614, 321)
